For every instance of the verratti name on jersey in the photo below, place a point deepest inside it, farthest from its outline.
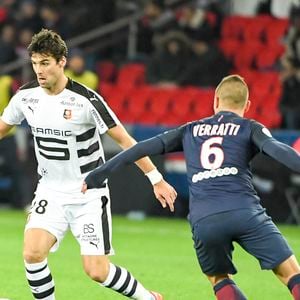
(222, 129)
(216, 129)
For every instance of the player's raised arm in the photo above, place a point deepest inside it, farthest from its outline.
(281, 152)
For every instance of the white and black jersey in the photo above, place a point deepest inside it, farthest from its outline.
(65, 129)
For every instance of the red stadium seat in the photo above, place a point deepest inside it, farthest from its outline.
(260, 89)
(116, 99)
(181, 106)
(270, 118)
(106, 70)
(233, 27)
(229, 47)
(245, 57)
(269, 57)
(249, 75)
(160, 103)
(202, 105)
(131, 75)
(256, 27)
(276, 30)
(138, 103)
(105, 88)
(159, 107)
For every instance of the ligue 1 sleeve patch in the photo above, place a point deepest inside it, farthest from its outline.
(67, 114)
(267, 132)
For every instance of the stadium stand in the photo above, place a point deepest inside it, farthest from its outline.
(254, 46)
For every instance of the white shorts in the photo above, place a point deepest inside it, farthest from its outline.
(87, 215)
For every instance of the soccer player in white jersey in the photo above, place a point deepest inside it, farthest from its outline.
(66, 118)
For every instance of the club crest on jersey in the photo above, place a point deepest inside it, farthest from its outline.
(67, 114)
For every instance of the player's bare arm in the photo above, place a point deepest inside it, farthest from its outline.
(4, 128)
(163, 191)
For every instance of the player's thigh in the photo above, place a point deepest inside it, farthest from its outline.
(213, 245)
(92, 226)
(46, 215)
(261, 238)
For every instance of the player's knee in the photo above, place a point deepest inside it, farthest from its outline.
(97, 272)
(33, 256)
(98, 275)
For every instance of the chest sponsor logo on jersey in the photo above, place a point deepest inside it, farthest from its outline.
(71, 103)
(50, 131)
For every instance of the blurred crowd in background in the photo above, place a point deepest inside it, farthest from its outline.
(179, 44)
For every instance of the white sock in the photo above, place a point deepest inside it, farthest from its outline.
(40, 280)
(121, 281)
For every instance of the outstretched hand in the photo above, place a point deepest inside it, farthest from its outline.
(96, 179)
(84, 187)
(165, 194)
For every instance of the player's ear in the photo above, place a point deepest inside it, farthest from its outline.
(63, 62)
(248, 104)
(216, 102)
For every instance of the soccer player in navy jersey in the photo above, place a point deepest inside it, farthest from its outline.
(223, 204)
(66, 119)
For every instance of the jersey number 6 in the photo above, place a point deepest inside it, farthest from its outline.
(212, 154)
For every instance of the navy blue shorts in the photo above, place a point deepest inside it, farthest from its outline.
(253, 230)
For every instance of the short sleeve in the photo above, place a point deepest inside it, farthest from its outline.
(100, 114)
(13, 114)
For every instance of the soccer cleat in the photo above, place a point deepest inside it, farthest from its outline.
(157, 296)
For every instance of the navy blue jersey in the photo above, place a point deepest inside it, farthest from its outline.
(217, 151)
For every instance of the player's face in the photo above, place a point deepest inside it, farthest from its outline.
(48, 71)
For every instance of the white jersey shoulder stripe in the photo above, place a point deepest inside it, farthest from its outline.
(95, 99)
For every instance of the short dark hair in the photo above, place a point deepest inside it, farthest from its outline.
(48, 42)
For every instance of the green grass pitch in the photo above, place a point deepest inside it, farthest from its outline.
(158, 252)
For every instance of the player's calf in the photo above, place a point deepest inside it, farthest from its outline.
(227, 289)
